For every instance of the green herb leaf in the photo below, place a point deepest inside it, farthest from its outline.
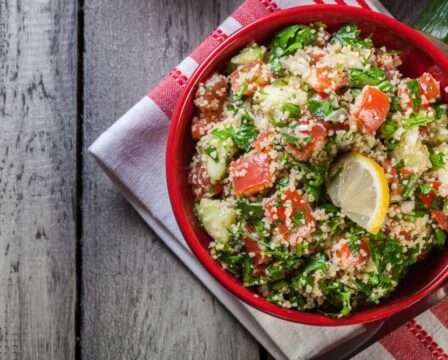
(440, 112)
(239, 95)
(440, 236)
(336, 173)
(346, 307)
(299, 142)
(389, 128)
(437, 203)
(293, 109)
(414, 89)
(385, 86)
(321, 109)
(360, 78)
(287, 41)
(250, 210)
(410, 185)
(354, 244)
(222, 134)
(416, 120)
(349, 34)
(244, 136)
(425, 188)
(298, 219)
(394, 103)
(437, 159)
(212, 153)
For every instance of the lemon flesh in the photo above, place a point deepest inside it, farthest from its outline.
(358, 185)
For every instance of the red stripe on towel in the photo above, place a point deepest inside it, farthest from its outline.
(440, 311)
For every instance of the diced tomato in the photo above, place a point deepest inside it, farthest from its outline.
(441, 219)
(439, 216)
(372, 106)
(392, 177)
(201, 183)
(429, 87)
(336, 127)
(260, 260)
(202, 124)
(427, 199)
(281, 209)
(317, 134)
(319, 96)
(251, 76)
(324, 79)
(251, 174)
(315, 57)
(347, 259)
(261, 143)
(212, 94)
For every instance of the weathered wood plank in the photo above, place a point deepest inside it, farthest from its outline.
(38, 55)
(139, 301)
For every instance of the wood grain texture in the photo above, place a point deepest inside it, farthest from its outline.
(139, 301)
(38, 64)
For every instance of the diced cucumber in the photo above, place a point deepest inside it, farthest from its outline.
(218, 151)
(414, 154)
(281, 102)
(217, 169)
(248, 54)
(217, 217)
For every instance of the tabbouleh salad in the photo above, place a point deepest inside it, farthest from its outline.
(320, 172)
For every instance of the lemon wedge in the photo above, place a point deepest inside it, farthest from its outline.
(359, 187)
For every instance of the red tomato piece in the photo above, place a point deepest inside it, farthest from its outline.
(347, 259)
(261, 143)
(260, 260)
(291, 202)
(202, 124)
(315, 57)
(324, 79)
(201, 183)
(372, 106)
(441, 219)
(251, 174)
(212, 94)
(336, 127)
(429, 88)
(427, 199)
(252, 75)
(317, 133)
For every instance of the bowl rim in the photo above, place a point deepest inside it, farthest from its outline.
(224, 278)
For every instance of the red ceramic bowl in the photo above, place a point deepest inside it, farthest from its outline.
(419, 55)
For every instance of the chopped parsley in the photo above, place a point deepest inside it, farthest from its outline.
(414, 93)
(360, 78)
(350, 34)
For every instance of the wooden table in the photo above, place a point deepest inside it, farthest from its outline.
(81, 275)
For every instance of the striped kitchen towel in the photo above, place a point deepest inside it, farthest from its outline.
(132, 153)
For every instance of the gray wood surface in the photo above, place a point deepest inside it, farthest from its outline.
(38, 66)
(139, 301)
